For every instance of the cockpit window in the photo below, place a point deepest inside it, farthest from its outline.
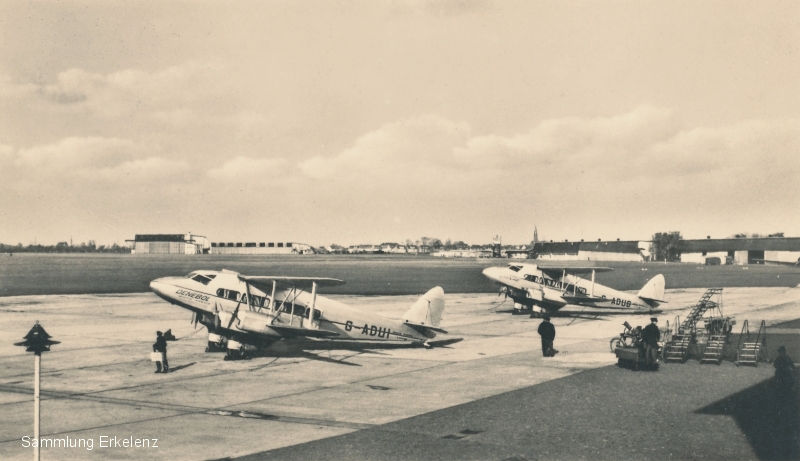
(515, 268)
(202, 279)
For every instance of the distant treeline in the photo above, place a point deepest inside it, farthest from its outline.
(64, 247)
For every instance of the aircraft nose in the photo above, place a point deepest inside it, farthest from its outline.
(160, 286)
(490, 273)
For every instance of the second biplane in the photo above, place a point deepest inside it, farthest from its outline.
(540, 289)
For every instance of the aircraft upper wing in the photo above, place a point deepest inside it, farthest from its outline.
(574, 269)
(265, 281)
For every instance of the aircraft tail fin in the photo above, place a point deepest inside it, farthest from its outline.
(426, 313)
(653, 291)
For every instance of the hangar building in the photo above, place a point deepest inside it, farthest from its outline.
(184, 244)
(627, 250)
(741, 250)
(260, 248)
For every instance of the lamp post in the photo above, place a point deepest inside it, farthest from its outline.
(37, 341)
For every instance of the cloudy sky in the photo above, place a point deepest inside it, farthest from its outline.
(365, 122)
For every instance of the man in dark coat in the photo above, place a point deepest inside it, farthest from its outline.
(548, 333)
(650, 336)
(161, 346)
(783, 370)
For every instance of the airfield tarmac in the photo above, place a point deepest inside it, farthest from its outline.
(306, 402)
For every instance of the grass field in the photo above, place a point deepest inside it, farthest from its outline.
(43, 274)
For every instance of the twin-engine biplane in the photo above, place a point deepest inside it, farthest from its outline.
(243, 312)
(545, 289)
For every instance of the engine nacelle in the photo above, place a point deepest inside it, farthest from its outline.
(256, 323)
(535, 294)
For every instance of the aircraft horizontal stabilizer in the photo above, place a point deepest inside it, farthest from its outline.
(424, 328)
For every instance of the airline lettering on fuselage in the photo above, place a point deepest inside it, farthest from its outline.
(192, 294)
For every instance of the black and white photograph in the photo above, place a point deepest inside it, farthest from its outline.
(356, 230)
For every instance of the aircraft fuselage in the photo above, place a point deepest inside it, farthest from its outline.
(528, 285)
(235, 309)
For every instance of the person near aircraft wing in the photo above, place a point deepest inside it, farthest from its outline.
(544, 289)
(161, 346)
(250, 312)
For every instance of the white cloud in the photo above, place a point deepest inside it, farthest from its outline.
(413, 146)
(68, 153)
(269, 169)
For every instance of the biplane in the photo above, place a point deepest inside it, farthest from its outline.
(542, 289)
(243, 312)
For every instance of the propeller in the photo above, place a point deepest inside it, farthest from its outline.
(233, 317)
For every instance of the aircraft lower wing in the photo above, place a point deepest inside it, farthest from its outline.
(584, 299)
(298, 331)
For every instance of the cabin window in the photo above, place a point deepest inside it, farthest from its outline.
(202, 279)
(582, 290)
(532, 278)
(232, 295)
(515, 268)
(221, 292)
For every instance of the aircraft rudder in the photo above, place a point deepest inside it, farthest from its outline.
(653, 289)
(428, 309)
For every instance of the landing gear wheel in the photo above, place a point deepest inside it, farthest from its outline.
(615, 343)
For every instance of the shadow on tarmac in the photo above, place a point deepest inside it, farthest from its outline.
(181, 367)
(769, 417)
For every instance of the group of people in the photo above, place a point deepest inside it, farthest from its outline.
(785, 369)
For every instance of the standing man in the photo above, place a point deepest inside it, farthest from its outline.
(650, 336)
(783, 370)
(548, 333)
(161, 346)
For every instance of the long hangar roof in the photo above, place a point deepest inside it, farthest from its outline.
(742, 244)
(627, 246)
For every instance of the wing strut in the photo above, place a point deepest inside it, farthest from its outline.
(592, 292)
(272, 298)
(313, 303)
(249, 296)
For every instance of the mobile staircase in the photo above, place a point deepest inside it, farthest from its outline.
(684, 341)
(750, 352)
(719, 332)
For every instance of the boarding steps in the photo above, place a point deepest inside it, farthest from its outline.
(749, 351)
(714, 351)
(684, 342)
